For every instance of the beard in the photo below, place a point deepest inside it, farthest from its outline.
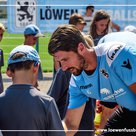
(75, 71)
(79, 68)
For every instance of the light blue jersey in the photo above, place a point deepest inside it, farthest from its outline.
(116, 70)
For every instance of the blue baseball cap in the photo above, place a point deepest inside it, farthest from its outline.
(23, 53)
(33, 30)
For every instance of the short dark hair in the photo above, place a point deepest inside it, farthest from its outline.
(65, 38)
(76, 18)
(90, 7)
(26, 65)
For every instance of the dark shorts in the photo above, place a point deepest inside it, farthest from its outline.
(121, 123)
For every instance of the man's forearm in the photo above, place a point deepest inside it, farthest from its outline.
(67, 131)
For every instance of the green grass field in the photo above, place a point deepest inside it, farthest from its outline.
(12, 40)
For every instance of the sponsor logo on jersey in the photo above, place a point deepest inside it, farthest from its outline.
(105, 91)
(116, 94)
(86, 86)
(126, 64)
(113, 51)
(104, 73)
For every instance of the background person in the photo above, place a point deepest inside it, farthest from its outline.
(100, 25)
(105, 72)
(2, 30)
(130, 28)
(88, 17)
(22, 106)
(32, 34)
(77, 20)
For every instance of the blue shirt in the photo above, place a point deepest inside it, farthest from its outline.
(115, 71)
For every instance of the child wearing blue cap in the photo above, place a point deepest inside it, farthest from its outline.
(24, 109)
(32, 34)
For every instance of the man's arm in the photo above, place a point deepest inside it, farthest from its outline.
(72, 120)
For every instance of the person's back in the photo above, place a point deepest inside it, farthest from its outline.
(129, 38)
(130, 28)
(24, 110)
(21, 109)
(126, 37)
(59, 90)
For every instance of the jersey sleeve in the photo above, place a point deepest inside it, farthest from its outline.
(54, 121)
(77, 98)
(125, 65)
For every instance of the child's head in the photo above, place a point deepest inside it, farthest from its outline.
(89, 10)
(77, 20)
(100, 23)
(22, 57)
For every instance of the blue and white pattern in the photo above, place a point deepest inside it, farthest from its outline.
(114, 73)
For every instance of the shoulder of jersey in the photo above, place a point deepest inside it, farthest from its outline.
(111, 50)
